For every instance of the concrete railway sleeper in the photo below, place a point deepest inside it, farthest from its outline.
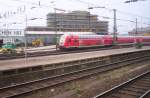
(67, 67)
(138, 87)
(23, 76)
(29, 87)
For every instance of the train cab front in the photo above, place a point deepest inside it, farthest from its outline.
(61, 44)
(68, 42)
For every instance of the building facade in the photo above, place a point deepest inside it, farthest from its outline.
(48, 37)
(45, 34)
(12, 35)
(81, 21)
(78, 22)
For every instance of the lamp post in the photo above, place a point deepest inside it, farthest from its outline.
(114, 28)
(89, 21)
(25, 36)
(136, 26)
(55, 21)
(129, 1)
(25, 39)
(114, 21)
(89, 8)
(25, 33)
(55, 29)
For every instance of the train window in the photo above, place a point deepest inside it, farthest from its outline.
(69, 40)
(75, 41)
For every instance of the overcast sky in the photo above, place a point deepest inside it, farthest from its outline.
(140, 8)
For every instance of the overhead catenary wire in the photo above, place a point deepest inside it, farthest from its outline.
(126, 20)
(123, 12)
(33, 3)
(39, 4)
(81, 1)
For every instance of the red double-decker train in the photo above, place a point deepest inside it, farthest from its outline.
(69, 41)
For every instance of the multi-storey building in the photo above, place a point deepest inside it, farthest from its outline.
(81, 21)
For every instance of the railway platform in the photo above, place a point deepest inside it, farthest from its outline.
(54, 59)
(57, 74)
(43, 48)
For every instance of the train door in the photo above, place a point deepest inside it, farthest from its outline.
(1, 43)
(138, 40)
(108, 40)
(65, 41)
(69, 42)
(75, 41)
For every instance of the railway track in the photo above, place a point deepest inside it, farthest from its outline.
(29, 87)
(138, 87)
(58, 52)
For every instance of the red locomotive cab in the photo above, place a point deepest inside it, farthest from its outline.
(63, 42)
(69, 41)
(72, 41)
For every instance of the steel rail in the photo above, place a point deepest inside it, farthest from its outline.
(145, 94)
(106, 93)
(67, 68)
(77, 71)
(72, 73)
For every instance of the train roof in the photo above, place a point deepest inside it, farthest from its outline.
(95, 35)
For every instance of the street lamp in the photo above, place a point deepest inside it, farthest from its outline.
(89, 8)
(35, 18)
(25, 38)
(96, 7)
(55, 29)
(89, 20)
(136, 26)
(55, 19)
(129, 1)
(115, 22)
(115, 27)
(25, 32)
